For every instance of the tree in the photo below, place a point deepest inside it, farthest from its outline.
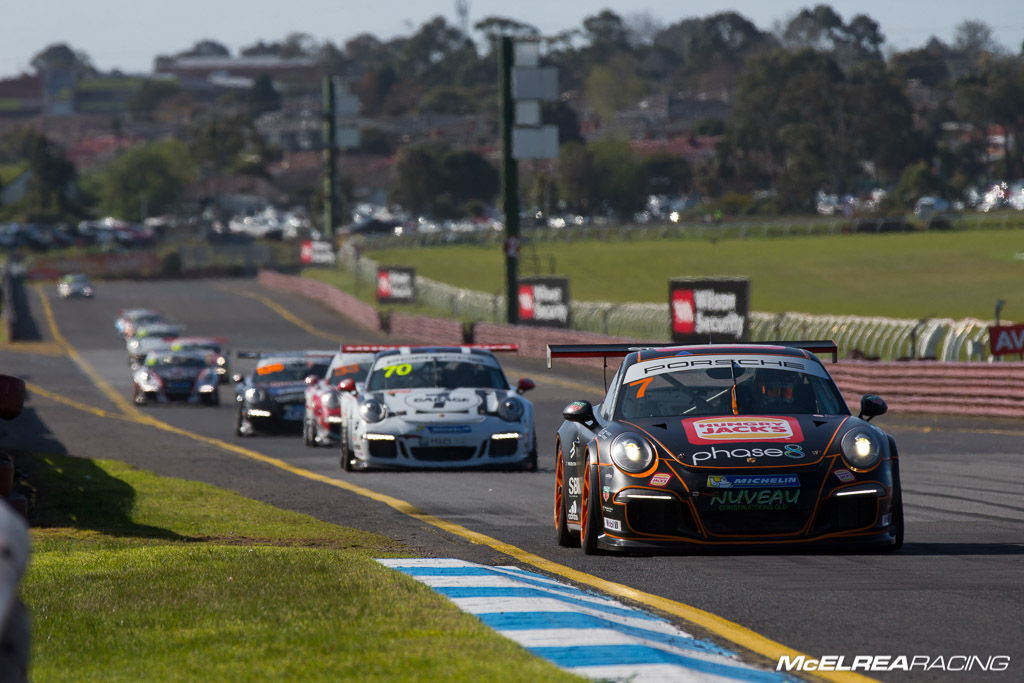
(612, 87)
(61, 57)
(145, 180)
(433, 179)
(50, 182)
(151, 94)
(206, 48)
(823, 29)
(993, 95)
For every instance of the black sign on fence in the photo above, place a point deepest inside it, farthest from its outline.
(396, 284)
(544, 301)
(708, 310)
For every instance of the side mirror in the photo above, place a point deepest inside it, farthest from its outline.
(347, 385)
(524, 385)
(12, 396)
(872, 406)
(236, 378)
(310, 379)
(579, 411)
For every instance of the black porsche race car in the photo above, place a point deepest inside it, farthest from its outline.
(723, 445)
(272, 397)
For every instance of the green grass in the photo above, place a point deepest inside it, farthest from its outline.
(139, 577)
(904, 275)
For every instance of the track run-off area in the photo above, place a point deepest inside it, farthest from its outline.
(955, 589)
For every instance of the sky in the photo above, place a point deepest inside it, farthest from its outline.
(128, 34)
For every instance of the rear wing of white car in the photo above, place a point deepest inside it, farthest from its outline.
(374, 348)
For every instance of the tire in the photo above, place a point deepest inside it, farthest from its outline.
(530, 464)
(308, 439)
(210, 399)
(239, 422)
(897, 511)
(564, 536)
(590, 509)
(347, 456)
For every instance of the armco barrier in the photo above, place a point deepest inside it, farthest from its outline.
(983, 389)
(346, 304)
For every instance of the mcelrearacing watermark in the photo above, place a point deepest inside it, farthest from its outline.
(894, 663)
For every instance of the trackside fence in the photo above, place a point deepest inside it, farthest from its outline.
(874, 338)
(964, 388)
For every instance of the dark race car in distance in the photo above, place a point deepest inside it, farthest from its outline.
(212, 347)
(272, 396)
(723, 445)
(167, 375)
(75, 285)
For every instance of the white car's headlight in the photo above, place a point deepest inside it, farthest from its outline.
(861, 448)
(632, 452)
(511, 409)
(373, 411)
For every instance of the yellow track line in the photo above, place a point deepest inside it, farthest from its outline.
(735, 633)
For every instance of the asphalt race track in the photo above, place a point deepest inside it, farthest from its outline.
(957, 587)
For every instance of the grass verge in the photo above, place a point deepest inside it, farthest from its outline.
(952, 274)
(140, 577)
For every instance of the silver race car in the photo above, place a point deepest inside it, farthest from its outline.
(439, 407)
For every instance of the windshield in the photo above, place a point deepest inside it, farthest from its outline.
(157, 362)
(355, 371)
(728, 388)
(404, 372)
(291, 371)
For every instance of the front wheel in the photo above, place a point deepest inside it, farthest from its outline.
(564, 536)
(590, 511)
(308, 435)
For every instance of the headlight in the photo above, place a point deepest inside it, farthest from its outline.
(373, 411)
(254, 395)
(221, 360)
(511, 409)
(861, 448)
(632, 452)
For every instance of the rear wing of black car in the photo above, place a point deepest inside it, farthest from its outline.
(620, 350)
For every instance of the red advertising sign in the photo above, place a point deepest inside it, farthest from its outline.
(742, 428)
(396, 284)
(1006, 339)
(543, 301)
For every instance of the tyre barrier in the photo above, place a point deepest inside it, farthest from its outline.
(982, 389)
(964, 388)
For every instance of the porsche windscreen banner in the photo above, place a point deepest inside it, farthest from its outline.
(396, 284)
(544, 301)
(703, 310)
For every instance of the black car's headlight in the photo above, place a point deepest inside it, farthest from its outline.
(254, 395)
(373, 410)
(632, 452)
(511, 409)
(862, 448)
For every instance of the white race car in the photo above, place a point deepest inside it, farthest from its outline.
(439, 407)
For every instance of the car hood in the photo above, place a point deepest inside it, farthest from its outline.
(744, 441)
(179, 373)
(441, 405)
